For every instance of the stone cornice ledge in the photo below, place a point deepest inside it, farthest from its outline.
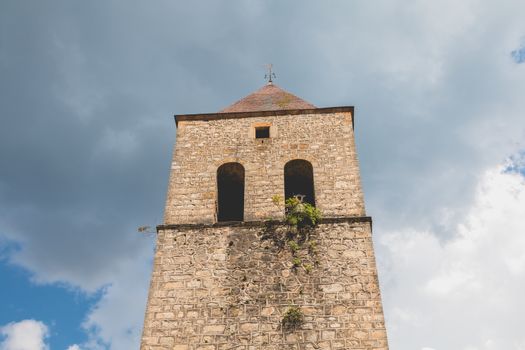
(350, 219)
(252, 114)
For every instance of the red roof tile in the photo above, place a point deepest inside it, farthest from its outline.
(268, 98)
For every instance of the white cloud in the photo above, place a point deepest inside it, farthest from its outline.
(24, 335)
(118, 316)
(73, 347)
(461, 293)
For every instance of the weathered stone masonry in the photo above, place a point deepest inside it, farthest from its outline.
(227, 285)
(322, 137)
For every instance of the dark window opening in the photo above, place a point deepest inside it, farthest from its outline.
(262, 132)
(230, 187)
(299, 180)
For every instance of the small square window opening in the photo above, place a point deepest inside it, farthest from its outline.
(262, 132)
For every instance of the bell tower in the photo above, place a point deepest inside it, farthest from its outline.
(229, 272)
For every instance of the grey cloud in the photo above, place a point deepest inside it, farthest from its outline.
(72, 199)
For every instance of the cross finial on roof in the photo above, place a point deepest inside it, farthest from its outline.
(270, 75)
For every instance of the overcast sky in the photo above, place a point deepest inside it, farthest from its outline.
(88, 90)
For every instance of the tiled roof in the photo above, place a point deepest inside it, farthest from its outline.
(268, 98)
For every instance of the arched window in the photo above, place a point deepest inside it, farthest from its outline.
(299, 180)
(230, 187)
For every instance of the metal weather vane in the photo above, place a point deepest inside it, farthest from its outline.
(270, 75)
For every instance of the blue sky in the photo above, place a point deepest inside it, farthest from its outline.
(519, 54)
(87, 97)
(59, 307)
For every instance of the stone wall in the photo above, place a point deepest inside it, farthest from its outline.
(227, 286)
(324, 139)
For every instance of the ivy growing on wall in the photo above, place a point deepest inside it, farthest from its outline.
(300, 217)
(292, 318)
(300, 214)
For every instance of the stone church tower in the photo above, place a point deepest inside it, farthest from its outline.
(229, 273)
